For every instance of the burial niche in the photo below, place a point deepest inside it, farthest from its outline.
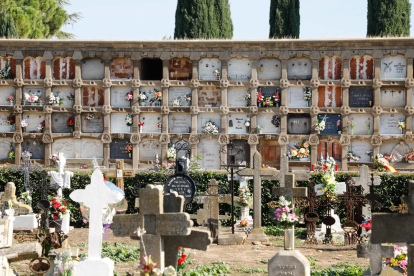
(362, 124)
(361, 68)
(238, 123)
(34, 68)
(151, 69)
(389, 123)
(270, 151)
(393, 97)
(329, 96)
(122, 68)
(330, 68)
(6, 62)
(329, 149)
(333, 123)
(209, 150)
(34, 146)
(181, 69)
(361, 96)
(209, 96)
(269, 69)
(63, 68)
(239, 69)
(296, 97)
(393, 67)
(299, 69)
(120, 149)
(298, 124)
(93, 69)
(92, 96)
(360, 149)
(209, 69)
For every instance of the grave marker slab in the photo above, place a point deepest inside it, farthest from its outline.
(361, 96)
(118, 96)
(59, 122)
(360, 148)
(63, 93)
(148, 148)
(236, 123)
(93, 69)
(299, 124)
(270, 151)
(4, 126)
(182, 184)
(118, 123)
(269, 93)
(241, 150)
(151, 121)
(5, 144)
(206, 68)
(150, 91)
(95, 126)
(68, 146)
(179, 123)
(235, 97)
(393, 67)
(299, 69)
(239, 69)
(264, 120)
(393, 97)
(375, 253)
(33, 119)
(91, 148)
(34, 91)
(295, 97)
(5, 92)
(10, 194)
(389, 123)
(179, 93)
(360, 127)
(331, 121)
(35, 146)
(203, 118)
(330, 68)
(269, 69)
(117, 148)
(209, 149)
(209, 96)
(364, 180)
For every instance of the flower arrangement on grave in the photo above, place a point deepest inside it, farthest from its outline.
(401, 125)
(70, 123)
(299, 150)
(260, 97)
(176, 102)
(142, 96)
(71, 96)
(84, 167)
(187, 98)
(6, 73)
(243, 223)
(351, 125)
(210, 128)
(352, 157)
(261, 68)
(128, 119)
(141, 125)
(57, 208)
(24, 124)
(216, 73)
(245, 197)
(128, 148)
(247, 97)
(10, 98)
(267, 102)
(369, 153)
(129, 96)
(32, 98)
(409, 156)
(276, 98)
(25, 198)
(90, 117)
(338, 126)
(276, 120)
(367, 225)
(41, 126)
(64, 263)
(171, 152)
(259, 129)
(54, 158)
(400, 258)
(307, 94)
(320, 125)
(328, 179)
(159, 125)
(368, 125)
(56, 100)
(183, 259)
(286, 216)
(11, 154)
(11, 119)
(157, 96)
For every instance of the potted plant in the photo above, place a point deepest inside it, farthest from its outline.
(70, 123)
(129, 97)
(57, 210)
(287, 217)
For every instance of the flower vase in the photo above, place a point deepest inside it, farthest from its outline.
(55, 223)
(248, 129)
(277, 104)
(150, 104)
(130, 155)
(247, 104)
(319, 132)
(11, 103)
(401, 130)
(349, 159)
(352, 131)
(130, 103)
(307, 103)
(339, 132)
(140, 129)
(73, 102)
(368, 132)
(290, 239)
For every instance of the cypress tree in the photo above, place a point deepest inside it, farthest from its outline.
(203, 19)
(11, 28)
(388, 18)
(3, 24)
(284, 19)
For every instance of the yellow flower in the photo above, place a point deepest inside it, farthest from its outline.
(294, 153)
(292, 148)
(302, 150)
(306, 145)
(306, 152)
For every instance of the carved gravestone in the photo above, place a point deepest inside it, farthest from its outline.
(393, 97)
(4, 125)
(289, 262)
(179, 93)
(59, 122)
(117, 148)
(35, 146)
(269, 69)
(236, 123)
(235, 97)
(239, 69)
(95, 126)
(331, 121)
(118, 123)
(361, 124)
(203, 118)
(179, 123)
(118, 96)
(183, 185)
(151, 122)
(209, 149)
(206, 68)
(295, 97)
(389, 123)
(360, 148)
(298, 124)
(268, 93)
(5, 144)
(393, 67)
(299, 69)
(10, 194)
(361, 96)
(148, 148)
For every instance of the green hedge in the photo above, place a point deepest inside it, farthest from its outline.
(391, 189)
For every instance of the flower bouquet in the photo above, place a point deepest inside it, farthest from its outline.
(338, 126)
(171, 153)
(286, 216)
(276, 120)
(307, 94)
(351, 125)
(276, 98)
(142, 98)
(57, 208)
(210, 128)
(320, 125)
(247, 98)
(26, 154)
(367, 224)
(55, 100)
(259, 129)
(90, 117)
(11, 119)
(24, 124)
(176, 102)
(141, 125)
(128, 120)
(187, 98)
(129, 97)
(157, 97)
(267, 102)
(183, 259)
(63, 262)
(400, 259)
(216, 73)
(260, 98)
(6, 72)
(409, 156)
(368, 125)
(352, 157)
(300, 151)
(10, 99)
(243, 223)
(381, 161)
(30, 98)
(25, 198)
(41, 126)
(129, 150)
(54, 158)
(245, 197)
(401, 125)
(71, 96)
(70, 123)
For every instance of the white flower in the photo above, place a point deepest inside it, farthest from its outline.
(169, 271)
(140, 232)
(247, 123)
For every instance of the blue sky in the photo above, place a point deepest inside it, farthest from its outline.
(154, 19)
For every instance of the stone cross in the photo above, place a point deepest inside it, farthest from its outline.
(10, 194)
(387, 228)
(290, 190)
(364, 180)
(257, 172)
(119, 173)
(60, 179)
(375, 253)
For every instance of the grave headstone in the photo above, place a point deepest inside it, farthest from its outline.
(179, 123)
(393, 97)
(203, 118)
(117, 149)
(91, 148)
(209, 149)
(5, 144)
(239, 69)
(63, 93)
(360, 148)
(361, 96)
(331, 121)
(152, 122)
(59, 122)
(33, 91)
(295, 97)
(393, 67)
(35, 146)
(10, 194)
(241, 150)
(182, 184)
(148, 148)
(118, 123)
(94, 126)
(5, 92)
(236, 123)
(4, 125)
(299, 69)
(298, 124)
(389, 123)
(362, 121)
(264, 120)
(206, 68)
(93, 69)
(149, 92)
(269, 69)
(179, 93)
(118, 96)
(289, 262)
(33, 121)
(375, 253)
(268, 92)
(235, 97)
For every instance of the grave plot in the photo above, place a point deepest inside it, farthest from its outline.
(122, 68)
(241, 150)
(361, 149)
(209, 69)
(269, 69)
(148, 149)
(66, 94)
(270, 151)
(236, 97)
(33, 95)
(4, 125)
(203, 118)
(5, 145)
(78, 148)
(361, 68)
(5, 92)
(179, 96)
(268, 124)
(362, 124)
(93, 123)
(35, 147)
(120, 149)
(269, 97)
(92, 96)
(60, 122)
(151, 69)
(152, 122)
(299, 69)
(329, 96)
(393, 97)
(329, 149)
(389, 123)
(239, 69)
(151, 96)
(6, 62)
(121, 123)
(299, 124)
(333, 123)
(330, 68)
(296, 97)
(179, 123)
(63, 68)
(34, 68)
(361, 96)
(393, 67)
(209, 96)
(181, 69)
(120, 96)
(238, 123)
(34, 121)
(93, 69)
(209, 149)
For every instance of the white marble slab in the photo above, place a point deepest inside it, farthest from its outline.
(295, 97)
(393, 97)
(360, 127)
(235, 97)
(63, 93)
(393, 67)
(5, 92)
(209, 149)
(151, 121)
(118, 123)
(179, 123)
(235, 123)
(239, 69)
(93, 69)
(271, 69)
(389, 123)
(5, 144)
(264, 120)
(149, 91)
(360, 148)
(206, 67)
(4, 126)
(179, 93)
(148, 148)
(204, 117)
(118, 96)
(34, 119)
(299, 68)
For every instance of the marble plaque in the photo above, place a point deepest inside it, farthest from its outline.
(179, 93)
(209, 149)
(239, 69)
(387, 146)
(389, 123)
(264, 120)
(361, 96)
(393, 67)
(70, 147)
(295, 97)
(393, 97)
(360, 148)
(151, 122)
(5, 144)
(117, 148)
(299, 124)
(92, 148)
(95, 126)
(206, 68)
(236, 123)
(118, 123)
(93, 69)
(235, 97)
(241, 149)
(5, 92)
(148, 148)
(118, 96)
(63, 93)
(59, 122)
(179, 123)
(150, 92)
(299, 69)
(269, 69)
(33, 119)
(204, 117)
(361, 124)
(331, 121)
(35, 91)
(4, 126)
(269, 92)
(35, 146)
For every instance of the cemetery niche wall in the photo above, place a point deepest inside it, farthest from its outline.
(267, 94)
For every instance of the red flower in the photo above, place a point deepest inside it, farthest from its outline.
(55, 217)
(180, 261)
(179, 248)
(80, 211)
(54, 206)
(184, 257)
(64, 203)
(105, 179)
(63, 209)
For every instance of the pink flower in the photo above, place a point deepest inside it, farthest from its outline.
(403, 263)
(286, 209)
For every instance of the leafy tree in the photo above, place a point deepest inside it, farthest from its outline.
(388, 18)
(284, 19)
(203, 19)
(7, 26)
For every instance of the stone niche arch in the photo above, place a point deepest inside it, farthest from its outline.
(93, 69)
(181, 69)
(122, 68)
(269, 69)
(8, 61)
(393, 67)
(330, 68)
(239, 69)
(34, 68)
(206, 68)
(63, 68)
(299, 68)
(361, 68)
